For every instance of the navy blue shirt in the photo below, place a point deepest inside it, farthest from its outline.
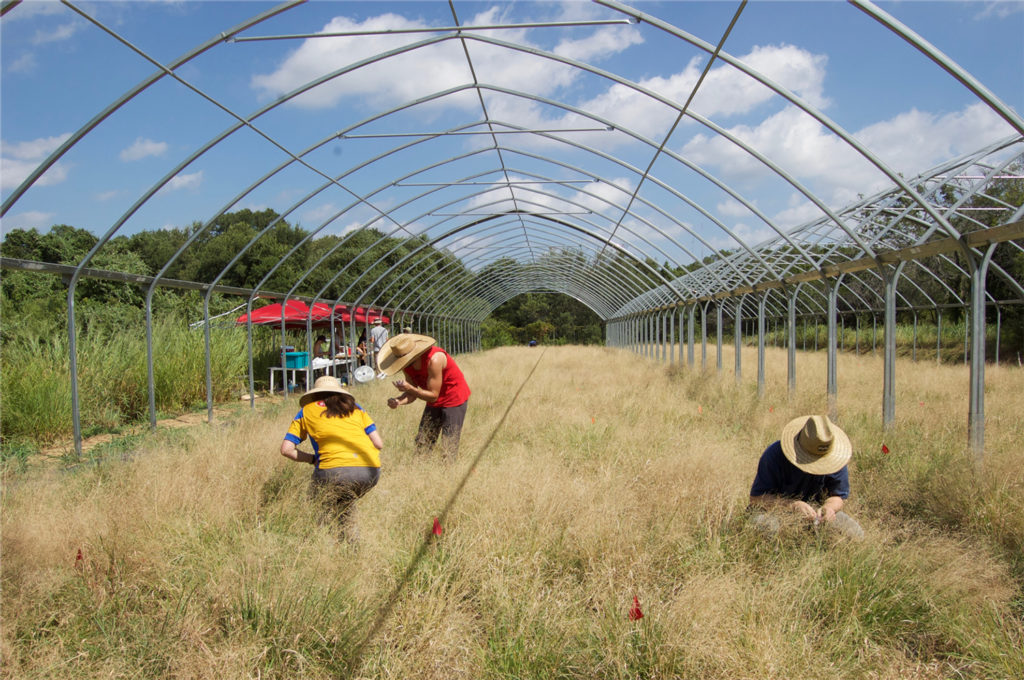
(777, 476)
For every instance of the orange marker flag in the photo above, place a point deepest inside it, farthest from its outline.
(592, 420)
(437, 530)
(700, 410)
(885, 449)
(634, 612)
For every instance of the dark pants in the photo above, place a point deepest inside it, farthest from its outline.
(339, 488)
(446, 422)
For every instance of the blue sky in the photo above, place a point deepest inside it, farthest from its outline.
(59, 71)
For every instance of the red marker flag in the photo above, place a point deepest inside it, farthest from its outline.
(437, 528)
(885, 449)
(79, 559)
(634, 612)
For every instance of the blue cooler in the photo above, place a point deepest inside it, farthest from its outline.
(296, 359)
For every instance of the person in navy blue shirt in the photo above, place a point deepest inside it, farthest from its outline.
(805, 473)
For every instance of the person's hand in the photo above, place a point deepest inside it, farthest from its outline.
(401, 384)
(805, 510)
(392, 402)
(827, 514)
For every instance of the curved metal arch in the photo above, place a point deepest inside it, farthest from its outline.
(75, 137)
(471, 285)
(545, 217)
(586, 280)
(438, 273)
(511, 285)
(792, 98)
(503, 254)
(632, 259)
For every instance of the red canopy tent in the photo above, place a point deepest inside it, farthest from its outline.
(296, 312)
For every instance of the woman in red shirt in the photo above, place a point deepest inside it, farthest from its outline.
(432, 375)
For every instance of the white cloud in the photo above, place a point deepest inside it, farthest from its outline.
(183, 182)
(106, 195)
(26, 63)
(319, 214)
(142, 148)
(725, 92)
(427, 70)
(909, 143)
(1000, 9)
(27, 10)
(799, 211)
(733, 208)
(602, 44)
(36, 149)
(744, 232)
(59, 34)
(20, 159)
(33, 219)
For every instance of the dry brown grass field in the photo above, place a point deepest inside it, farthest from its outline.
(612, 477)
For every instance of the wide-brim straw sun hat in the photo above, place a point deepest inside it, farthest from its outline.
(324, 386)
(402, 350)
(816, 445)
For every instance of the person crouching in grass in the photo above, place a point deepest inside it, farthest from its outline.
(805, 475)
(346, 449)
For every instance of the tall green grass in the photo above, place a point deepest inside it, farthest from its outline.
(922, 344)
(36, 386)
(612, 477)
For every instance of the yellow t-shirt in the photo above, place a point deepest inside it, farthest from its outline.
(336, 442)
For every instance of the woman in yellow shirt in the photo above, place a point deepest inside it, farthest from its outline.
(346, 447)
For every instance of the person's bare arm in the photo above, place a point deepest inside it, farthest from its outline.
(429, 394)
(290, 451)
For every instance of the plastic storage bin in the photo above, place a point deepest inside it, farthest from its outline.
(296, 359)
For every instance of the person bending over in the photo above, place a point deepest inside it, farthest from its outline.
(432, 375)
(805, 475)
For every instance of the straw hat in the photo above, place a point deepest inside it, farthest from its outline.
(402, 350)
(377, 321)
(816, 445)
(325, 385)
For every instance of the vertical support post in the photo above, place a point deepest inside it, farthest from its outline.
(738, 336)
(718, 332)
(890, 276)
(791, 345)
(671, 319)
(760, 344)
(976, 416)
(999, 330)
(938, 335)
(209, 362)
(150, 374)
(833, 410)
(704, 337)
(76, 417)
(664, 335)
(689, 336)
(968, 320)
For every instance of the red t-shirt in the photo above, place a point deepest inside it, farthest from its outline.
(454, 389)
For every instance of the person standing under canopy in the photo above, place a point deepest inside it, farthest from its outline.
(432, 375)
(378, 336)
